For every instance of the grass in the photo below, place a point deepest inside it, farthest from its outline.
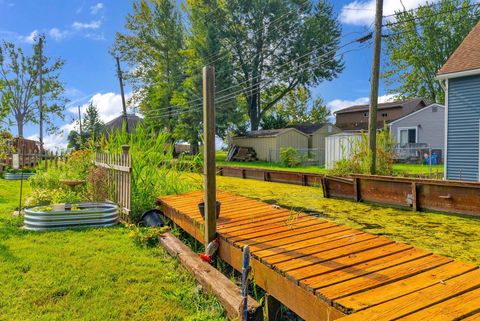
(400, 169)
(90, 274)
(450, 235)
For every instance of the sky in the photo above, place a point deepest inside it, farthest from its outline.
(83, 31)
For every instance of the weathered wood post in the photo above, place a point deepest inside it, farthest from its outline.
(209, 167)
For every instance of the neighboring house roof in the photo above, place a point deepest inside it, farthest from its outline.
(395, 104)
(466, 57)
(117, 123)
(268, 133)
(309, 129)
(415, 112)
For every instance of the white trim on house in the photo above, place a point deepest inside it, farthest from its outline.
(411, 114)
(399, 129)
(445, 142)
(464, 73)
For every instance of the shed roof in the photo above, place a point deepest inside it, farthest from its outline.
(117, 123)
(394, 104)
(467, 56)
(309, 128)
(268, 133)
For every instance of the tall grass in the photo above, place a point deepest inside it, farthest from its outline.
(154, 171)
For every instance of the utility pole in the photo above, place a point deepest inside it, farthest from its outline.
(80, 124)
(119, 71)
(372, 119)
(209, 167)
(40, 88)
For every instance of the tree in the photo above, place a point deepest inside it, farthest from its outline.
(421, 41)
(19, 79)
(92, 128)
(280, 45)
(204, 48)
(294, 108)
(92, 125)
(153, 48)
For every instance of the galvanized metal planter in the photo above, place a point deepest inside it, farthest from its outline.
(87, 215)
(16, 176)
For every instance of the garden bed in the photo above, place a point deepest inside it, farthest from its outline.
(17, 176)
(44, 218)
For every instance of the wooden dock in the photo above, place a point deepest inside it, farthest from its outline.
(324, 271)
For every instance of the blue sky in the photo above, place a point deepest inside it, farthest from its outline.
(83, 31)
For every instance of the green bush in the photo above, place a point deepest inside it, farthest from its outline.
(289, 157)
(359, 160)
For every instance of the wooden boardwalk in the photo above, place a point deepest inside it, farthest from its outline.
(324, 271)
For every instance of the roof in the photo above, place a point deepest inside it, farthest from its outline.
(394, 104)
(415, 112)
(466, 57)
(309, 128)
(267, 133)
(117, 123)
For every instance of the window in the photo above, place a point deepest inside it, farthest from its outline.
(365, 114)
(434, 109)
(407, 136)
(384, 114)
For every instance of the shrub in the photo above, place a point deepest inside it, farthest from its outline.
(360, 156)
(289, 157)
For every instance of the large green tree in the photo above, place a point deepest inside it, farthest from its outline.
(153, 46)
(92, 128)
(19, 82)
(419, 43)
(277, 45)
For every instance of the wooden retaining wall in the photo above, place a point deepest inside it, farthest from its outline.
(456, 197)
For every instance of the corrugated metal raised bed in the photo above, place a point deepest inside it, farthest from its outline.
(16, 176)
(42, 218)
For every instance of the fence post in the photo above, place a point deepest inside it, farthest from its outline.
(414, 197)
(356, 189)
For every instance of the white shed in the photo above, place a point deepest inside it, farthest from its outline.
(339, 146)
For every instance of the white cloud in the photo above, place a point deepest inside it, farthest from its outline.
(86, 25)
(54, 142)
(57, 34)
(338, 104)
(96, 8)
(109, 105)
(362, 13)
(31, 37)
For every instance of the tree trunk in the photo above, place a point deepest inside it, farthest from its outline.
(19, 125)
(253, 108)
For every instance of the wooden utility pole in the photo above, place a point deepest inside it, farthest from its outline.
(372, 119)
(124, 105)
(80, 125)
(40, 88)
(209, 168)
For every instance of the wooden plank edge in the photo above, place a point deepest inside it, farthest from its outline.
(227, 293)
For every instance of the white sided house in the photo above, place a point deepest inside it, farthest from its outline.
(267, 143)
(424, 128)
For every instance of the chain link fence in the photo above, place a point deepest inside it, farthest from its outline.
(306, 156)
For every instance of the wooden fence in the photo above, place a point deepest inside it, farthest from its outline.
(32, 160)
(119, 167)
(456, 197)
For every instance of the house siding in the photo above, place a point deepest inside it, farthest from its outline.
(261, 145)
(293, 139)
(430, 126)
(463, 128)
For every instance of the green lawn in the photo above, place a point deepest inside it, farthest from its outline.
(90, 274)
(400, 169)
(454, 236)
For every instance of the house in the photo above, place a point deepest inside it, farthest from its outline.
(356, 117)
(460, 77)
(117, 123)
(420, 132)
(267, 143)
(316, 137)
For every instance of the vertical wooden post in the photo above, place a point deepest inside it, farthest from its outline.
(372, 120)
(356, 189)
(209, 153)
(414, 197)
